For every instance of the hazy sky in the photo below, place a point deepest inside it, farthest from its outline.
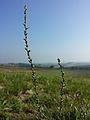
(58, 28)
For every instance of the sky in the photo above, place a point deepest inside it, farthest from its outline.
(58, 29)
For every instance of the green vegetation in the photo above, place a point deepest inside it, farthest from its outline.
(51, 97)
(31, 65)
(18, 102)
(41, 93)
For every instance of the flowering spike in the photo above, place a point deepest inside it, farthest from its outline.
(30, 60)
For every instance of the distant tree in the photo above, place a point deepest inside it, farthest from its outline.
(52, 66)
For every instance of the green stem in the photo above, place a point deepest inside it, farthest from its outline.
(30, 59)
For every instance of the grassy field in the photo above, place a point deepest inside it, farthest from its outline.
(18, 102)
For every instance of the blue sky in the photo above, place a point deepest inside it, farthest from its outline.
(58, 28)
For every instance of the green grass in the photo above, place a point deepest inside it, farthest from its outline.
(17, 100)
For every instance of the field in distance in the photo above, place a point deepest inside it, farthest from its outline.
(17, 100)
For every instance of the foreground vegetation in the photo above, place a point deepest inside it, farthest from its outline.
(17, 98)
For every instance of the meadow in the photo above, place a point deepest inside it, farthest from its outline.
(18, 101)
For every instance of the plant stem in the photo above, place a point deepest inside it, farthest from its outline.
(30, 59)
(62, 84)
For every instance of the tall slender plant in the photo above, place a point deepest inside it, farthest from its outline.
(30, 60)
(62, 81)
